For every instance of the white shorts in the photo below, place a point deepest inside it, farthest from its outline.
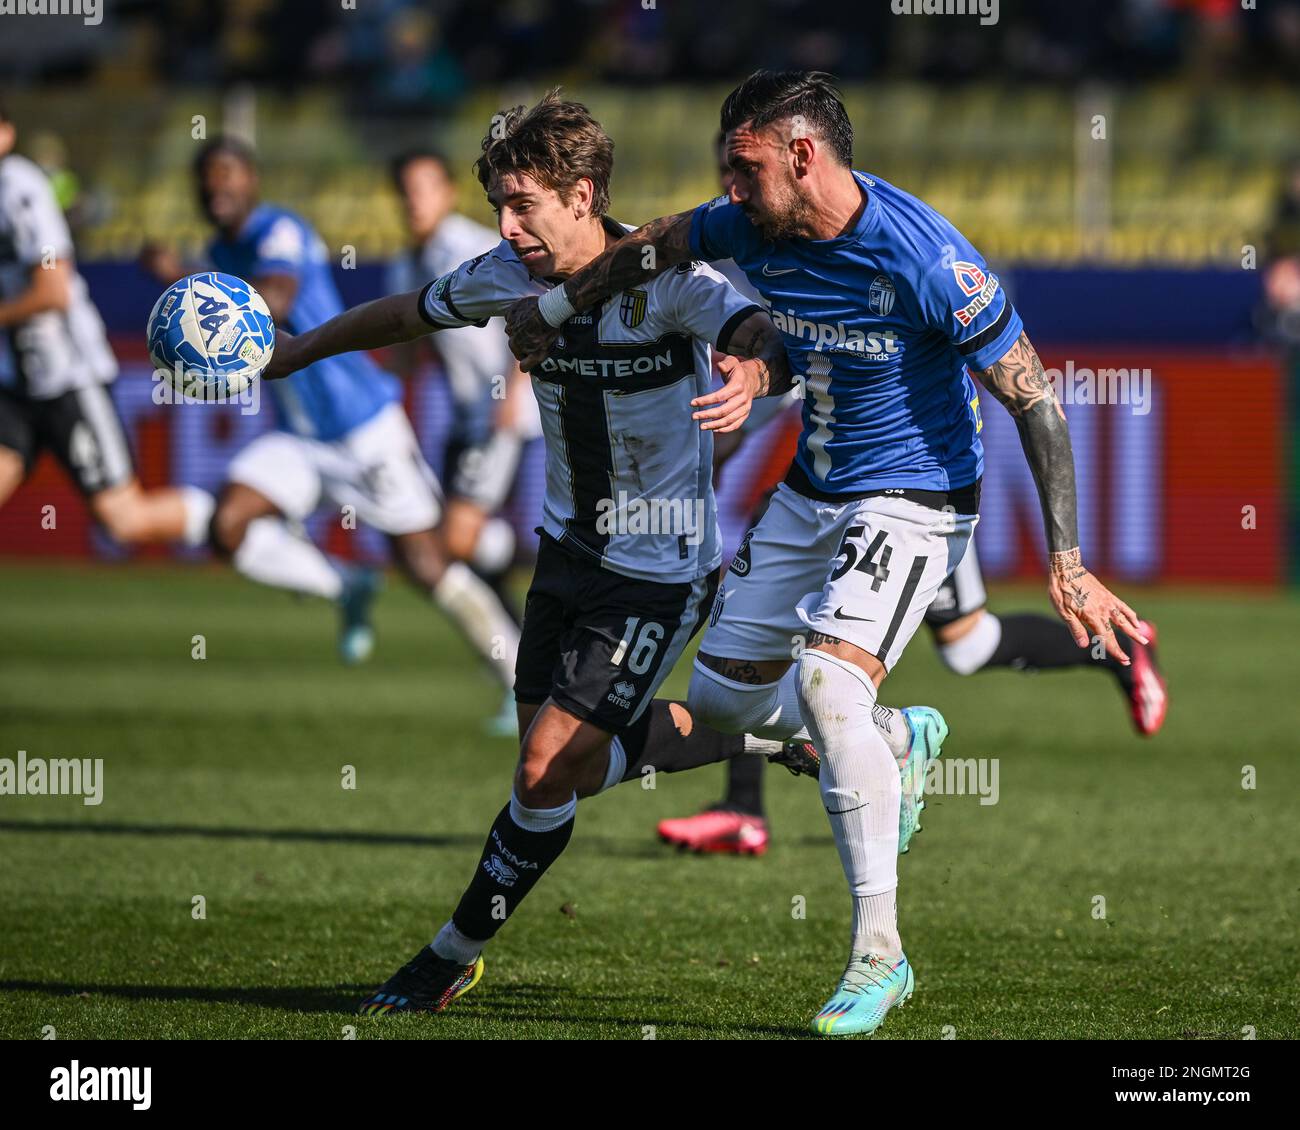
(485, 474)
(376, 468)
(863, 571)
(961, 593)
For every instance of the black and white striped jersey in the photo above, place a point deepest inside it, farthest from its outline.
(628, 472)
(58, 350)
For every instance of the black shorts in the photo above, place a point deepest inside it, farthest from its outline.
(81, 427)
(599, 643)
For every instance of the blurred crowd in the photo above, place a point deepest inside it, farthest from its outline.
(398, 55)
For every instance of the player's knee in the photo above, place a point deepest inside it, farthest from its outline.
(724, 704)
(832, 690)
(545, 777)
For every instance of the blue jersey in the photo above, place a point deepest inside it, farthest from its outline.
(330, 398)
(881, 323)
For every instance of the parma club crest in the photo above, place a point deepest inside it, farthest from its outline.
(632, 309)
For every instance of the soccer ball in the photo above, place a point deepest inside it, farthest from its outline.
(210, 335)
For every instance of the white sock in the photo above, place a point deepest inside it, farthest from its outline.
(482, 619)
(893, 727)
(452, 945)
(875, 925)
(861, 791)
(770, 710)
(199, 505)
(968, 654)
(271, 554)
(617, 764)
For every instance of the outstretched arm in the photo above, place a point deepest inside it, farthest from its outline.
(1088, 608)
(636, 258)
(372, 325)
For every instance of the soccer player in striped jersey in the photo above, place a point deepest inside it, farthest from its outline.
(54, 379)
(886, 311)
(629, 557)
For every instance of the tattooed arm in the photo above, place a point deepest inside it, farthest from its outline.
(636, 258)
(757, 337)
(754, 364)
(1083, 602)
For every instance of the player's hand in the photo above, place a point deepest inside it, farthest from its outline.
(728, 408)
(1090, 610)
(283, 357)
(530, 336)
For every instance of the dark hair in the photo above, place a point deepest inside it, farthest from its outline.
(397, 166)
(229, 145)
(768, 96)
(557, 143)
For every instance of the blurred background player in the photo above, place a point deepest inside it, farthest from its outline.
(53, 391)
(493, 411)
(968, 636)
(342, 433)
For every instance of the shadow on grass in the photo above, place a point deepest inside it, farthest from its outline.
(605, 845)
(545, 1004)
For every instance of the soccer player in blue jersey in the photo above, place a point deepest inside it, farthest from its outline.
(886, 311)
(342, 434)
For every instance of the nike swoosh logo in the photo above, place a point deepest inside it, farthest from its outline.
(840, 615)
(771, 274)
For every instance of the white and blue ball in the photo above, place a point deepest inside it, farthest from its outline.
(210, 335)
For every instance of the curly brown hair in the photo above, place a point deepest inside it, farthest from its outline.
(556, 142)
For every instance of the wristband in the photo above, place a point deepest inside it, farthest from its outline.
(555, 307)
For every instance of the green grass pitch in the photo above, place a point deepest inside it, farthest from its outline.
(222, 778)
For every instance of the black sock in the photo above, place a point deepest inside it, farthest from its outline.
(513, 860)
(1033, 642)
(745, 785)
(655, 739)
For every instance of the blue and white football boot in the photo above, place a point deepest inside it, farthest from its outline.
(929, 732)
(869, 988)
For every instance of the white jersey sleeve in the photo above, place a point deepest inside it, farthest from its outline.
(40, 232)
(706, 305)
(478, 290)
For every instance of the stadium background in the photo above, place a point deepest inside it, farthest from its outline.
(1137, 244)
